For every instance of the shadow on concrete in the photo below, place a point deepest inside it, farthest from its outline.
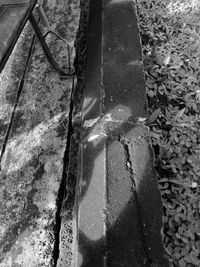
(24, 182)
(34, 148)
(11, 83)
(120, 246)
(113, 102)
(127, 241)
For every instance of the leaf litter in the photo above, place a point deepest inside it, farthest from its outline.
(170, 34)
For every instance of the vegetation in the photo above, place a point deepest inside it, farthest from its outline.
(170, 33)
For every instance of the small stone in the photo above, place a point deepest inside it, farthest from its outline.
(194, 185)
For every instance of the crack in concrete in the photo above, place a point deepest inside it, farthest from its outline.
(146, 261)
(65, 220)
(62, 189)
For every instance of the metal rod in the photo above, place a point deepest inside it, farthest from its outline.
(61, 38)
(46, 49)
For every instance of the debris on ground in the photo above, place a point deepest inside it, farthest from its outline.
(170, 33)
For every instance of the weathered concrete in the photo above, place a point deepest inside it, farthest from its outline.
(122, 62)
(134, 214)
(68, 218)
(10, 79)
(119, 209)
(92, 205)
(32, 165)
(124, 228)
(92, 100)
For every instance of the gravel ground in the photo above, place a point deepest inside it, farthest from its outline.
(170, 33)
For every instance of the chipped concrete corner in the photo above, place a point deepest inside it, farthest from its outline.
(32, 163)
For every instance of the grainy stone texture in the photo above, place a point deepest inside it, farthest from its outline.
(32, 165)
(10, 78)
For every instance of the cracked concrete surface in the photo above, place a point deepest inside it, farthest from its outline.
(118, 205)
(32, 164)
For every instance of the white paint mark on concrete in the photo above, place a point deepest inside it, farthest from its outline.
(90, 123)
(135, 63)
(141, 119)
(95, 136)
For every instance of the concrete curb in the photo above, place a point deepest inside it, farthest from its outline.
(118, 204)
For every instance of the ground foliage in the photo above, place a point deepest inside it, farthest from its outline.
(170, 33)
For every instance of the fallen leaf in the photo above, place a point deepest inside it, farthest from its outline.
(198, 95)
(154, 51)
(183, 124)
(167, 58)
(179, 114)
(154, 115)
(173, 181)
